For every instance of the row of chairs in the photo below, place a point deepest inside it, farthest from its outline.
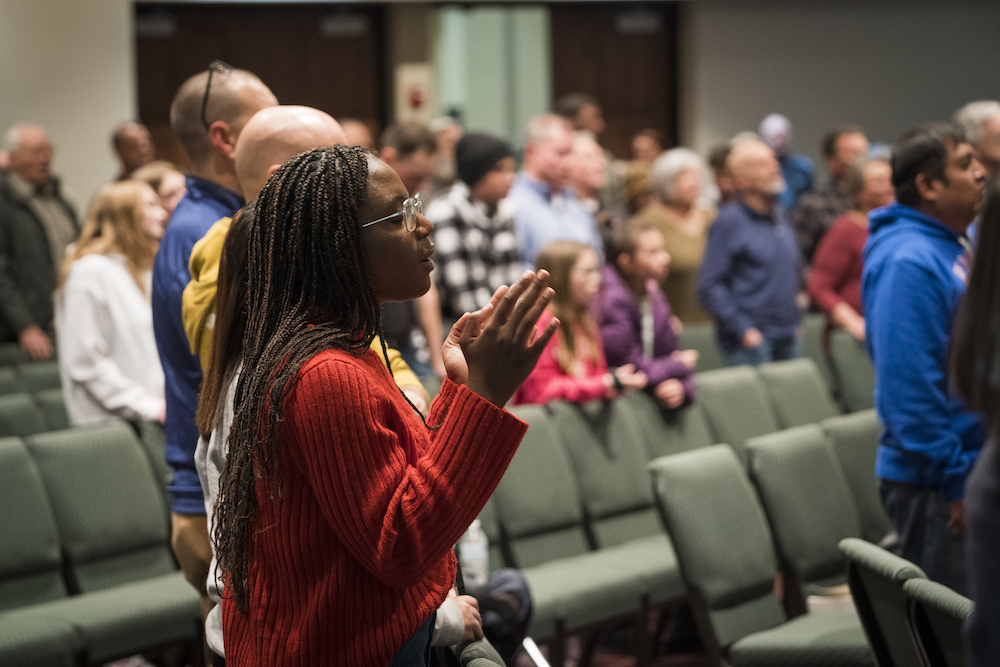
(86, 571)
(910, 621)
(576, 510)
(29, 377)
(11, 355)
(844, 363)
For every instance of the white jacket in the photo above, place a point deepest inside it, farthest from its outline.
(104, 335)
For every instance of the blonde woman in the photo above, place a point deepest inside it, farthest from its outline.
(104, 322)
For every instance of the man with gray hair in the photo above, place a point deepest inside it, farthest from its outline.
(36, 225)
(207, 114)
(546, 208)
(981, 122)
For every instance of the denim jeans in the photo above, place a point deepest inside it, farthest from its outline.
(772, 349)
(920, 516)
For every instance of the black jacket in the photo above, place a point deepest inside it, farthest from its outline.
(27, 276)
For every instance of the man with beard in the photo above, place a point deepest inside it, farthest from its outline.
(750, 272)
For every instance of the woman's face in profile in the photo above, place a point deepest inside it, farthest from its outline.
(399, 259)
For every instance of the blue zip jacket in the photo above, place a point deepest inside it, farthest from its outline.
(202, 205)
(915, 276)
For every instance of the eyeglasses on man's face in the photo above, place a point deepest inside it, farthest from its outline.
(412, 208)
(224, 70)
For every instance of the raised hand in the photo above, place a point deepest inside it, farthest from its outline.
(503, 350)
(451, 352)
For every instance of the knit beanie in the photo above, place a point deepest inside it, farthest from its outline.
(477, 153)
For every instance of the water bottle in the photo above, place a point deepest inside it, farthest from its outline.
(474, 555)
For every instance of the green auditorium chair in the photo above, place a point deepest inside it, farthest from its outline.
(20, 416)
(808, 505)
(936, 617)
(876, 578)
(855, 439)
(854, 370)
(39, 375)
(109, 513)
(736, 404)
(154, 443)
(11, 354)
(9, 382)
(701, 336)
(480, 654)
(541, 515)
(813, 327)
(666, 431)
(798, 392)
(30, 563)
(727, 557)
(609, 457)
(53, 408)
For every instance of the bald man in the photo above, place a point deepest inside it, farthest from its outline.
(208, 113)
(750, 271)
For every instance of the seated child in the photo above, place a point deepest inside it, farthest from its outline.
(634, 317)
(572, 366)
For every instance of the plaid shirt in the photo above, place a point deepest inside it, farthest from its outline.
(475, 251)
(815, 213)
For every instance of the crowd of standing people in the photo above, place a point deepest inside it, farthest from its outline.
(342, 274)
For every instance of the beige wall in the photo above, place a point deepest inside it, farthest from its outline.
(68, 66)
(886, 65)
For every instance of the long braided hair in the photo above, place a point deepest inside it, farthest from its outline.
(309, 289)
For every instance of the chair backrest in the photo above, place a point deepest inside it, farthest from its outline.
(798, 392)
(537, 500)
(855, 371)
(936, 617)
(11, 354)
(30, 560)
(855, 442)
(52, 405)
(39, 375)
(722, 540)
(736, 404)
(480, 654)
(9, 382)
(667, 431)
(106, 502)
(609, 456)
(807, 501)
(876, 579)
(813, 327)
(19, 416)
(701, 336)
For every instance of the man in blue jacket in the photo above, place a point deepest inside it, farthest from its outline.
(915, 276)
(207, 114)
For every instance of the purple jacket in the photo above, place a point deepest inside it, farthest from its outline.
(617, 313)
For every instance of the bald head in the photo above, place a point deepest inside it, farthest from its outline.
(232, 100)
(755, 169)
(277, 134)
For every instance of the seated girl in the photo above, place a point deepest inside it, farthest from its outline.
(338, 507)
(573, 366)
(634, 317)
(108, 362)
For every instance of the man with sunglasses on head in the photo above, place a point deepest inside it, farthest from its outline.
(207, 114)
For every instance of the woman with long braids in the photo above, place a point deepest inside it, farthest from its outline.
(338, 507)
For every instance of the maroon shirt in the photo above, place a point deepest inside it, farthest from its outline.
(836, 271)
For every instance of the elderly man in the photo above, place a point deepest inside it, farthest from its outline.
(547, 208)
(750, 271)
(36, 225)
(981, 122)
(842, 147)
(207, 114)
(776, 131)
(133, 146)
(915, 276)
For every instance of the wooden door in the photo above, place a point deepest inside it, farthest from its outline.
(626, 56)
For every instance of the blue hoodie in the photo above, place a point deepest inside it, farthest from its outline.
(915, 276)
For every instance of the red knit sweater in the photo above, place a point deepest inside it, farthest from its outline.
(358, 553)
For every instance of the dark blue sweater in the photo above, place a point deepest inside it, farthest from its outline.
(204, 204)
(913, 282)
(750, 274)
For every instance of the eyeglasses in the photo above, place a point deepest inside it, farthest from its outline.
(224, 70)
(412, 208)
